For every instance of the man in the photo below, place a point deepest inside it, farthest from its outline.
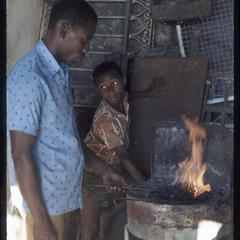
(46, 162)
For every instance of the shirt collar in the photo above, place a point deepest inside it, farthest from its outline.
(51, 63)
(125, 105)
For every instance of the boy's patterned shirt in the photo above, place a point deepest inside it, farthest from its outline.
(110, 129)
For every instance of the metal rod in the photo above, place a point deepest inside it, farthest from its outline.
(128, 11)
(107, 1)
(152, 38)
(121, 186)
(161, 201)
(99, 53)
(220, 100)
(226, 90)
(112, 17)
(109, 35)
(180, 41)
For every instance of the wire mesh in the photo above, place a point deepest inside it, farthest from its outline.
(216, 44)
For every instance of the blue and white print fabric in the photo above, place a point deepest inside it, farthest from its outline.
(39, 102)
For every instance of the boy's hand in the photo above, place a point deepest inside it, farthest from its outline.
(156, 87)
(110, 178)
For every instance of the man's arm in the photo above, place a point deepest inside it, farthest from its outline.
(123, 155)
(28, 182)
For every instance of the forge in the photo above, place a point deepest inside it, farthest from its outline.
(170, 206)
(167, 211)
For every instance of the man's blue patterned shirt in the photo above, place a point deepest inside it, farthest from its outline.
(39, 102)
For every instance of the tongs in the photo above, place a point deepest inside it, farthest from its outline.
(144, 191)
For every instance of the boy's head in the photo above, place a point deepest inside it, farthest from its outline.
(108, 78)
(72, 24)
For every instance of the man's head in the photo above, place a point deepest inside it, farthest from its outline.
(108, 78)
(71, 25)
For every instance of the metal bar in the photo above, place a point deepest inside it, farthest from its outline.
(206, 116)
(180, 41)
(109, 35)
(121, 186)
(194, 43)
(162, 201)
(206, 92)
(226, 90)
(219, 109)
(152, 39)
(100, 53)
(111, 17)
(126, 233)
(108, 1)
(126, 33)
(220, 100)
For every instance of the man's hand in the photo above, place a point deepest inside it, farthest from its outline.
(44, 231)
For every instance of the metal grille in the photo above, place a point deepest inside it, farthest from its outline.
(124, 29)
(216, 44)
(109, 43)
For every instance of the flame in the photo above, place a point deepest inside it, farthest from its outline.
(190, 173)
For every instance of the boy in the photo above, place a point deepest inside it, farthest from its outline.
(108, 138)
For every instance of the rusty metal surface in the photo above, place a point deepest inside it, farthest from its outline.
(185, 80)
(178, 215)
(169, 222)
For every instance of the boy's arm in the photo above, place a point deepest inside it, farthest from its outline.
(96, 165)
(123, 155)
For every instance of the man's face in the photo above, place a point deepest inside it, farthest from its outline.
(110, 86)
(74, 44)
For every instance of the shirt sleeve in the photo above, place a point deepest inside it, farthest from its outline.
(108, 132)
(25, 97)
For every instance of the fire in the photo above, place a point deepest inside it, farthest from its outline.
(190, 173)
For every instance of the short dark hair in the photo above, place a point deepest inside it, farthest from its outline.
(76, 12)
(105, 67)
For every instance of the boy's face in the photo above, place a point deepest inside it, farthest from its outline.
(110, 86)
